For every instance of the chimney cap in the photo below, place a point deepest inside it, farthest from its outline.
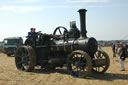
(82, 10)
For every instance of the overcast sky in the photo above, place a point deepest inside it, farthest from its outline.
(106, 19)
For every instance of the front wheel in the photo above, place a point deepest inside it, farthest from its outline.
(101, 62)
(25, 58)
(79, 63)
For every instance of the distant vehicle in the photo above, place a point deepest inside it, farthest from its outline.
(11, 44)
(1, 44)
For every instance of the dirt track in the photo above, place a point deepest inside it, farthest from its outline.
(9, 75)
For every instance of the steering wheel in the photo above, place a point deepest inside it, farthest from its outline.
(63, 33)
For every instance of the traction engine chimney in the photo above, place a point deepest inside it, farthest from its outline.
(83, 30)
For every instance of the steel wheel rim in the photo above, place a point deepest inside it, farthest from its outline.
(101, 55)
(78, 65)
(23, 59)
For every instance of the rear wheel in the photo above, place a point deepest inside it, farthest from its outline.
(79, 63)
(25, 58)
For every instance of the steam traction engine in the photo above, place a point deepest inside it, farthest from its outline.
(72, 49)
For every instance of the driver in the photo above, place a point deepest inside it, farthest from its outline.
(32, 32)
(73, 32)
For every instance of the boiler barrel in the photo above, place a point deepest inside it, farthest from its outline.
(88, 45)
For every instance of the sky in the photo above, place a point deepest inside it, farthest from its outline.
(105, 19)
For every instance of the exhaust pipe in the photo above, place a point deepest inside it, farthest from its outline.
(83, 30)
